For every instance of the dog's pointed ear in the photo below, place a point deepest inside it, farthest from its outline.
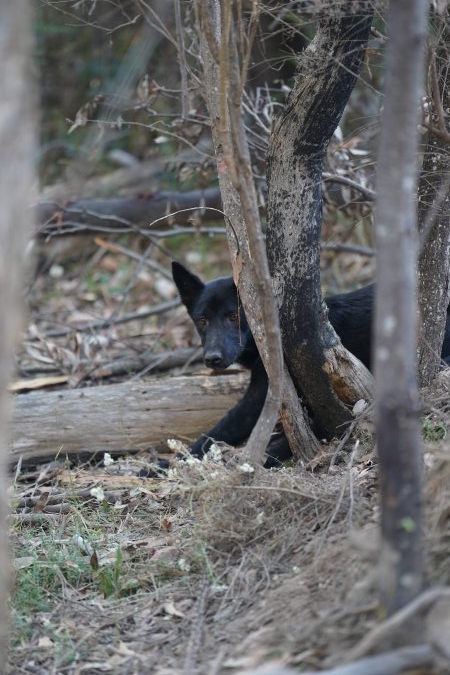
(189, 285)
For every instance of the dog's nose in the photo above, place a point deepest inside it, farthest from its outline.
(213, 359)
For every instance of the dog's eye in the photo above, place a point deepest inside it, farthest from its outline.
(234, 318)
(201, 321)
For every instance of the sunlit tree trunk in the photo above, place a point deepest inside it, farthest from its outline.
(17, 142)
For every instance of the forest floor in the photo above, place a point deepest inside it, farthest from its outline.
(209, 569)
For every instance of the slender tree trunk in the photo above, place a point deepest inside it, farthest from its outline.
(17, 141)
(397, 399)
(223, 89)
(329, 377)
(434, 209)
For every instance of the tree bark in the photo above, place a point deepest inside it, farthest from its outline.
(17, 141)
(223, 86)
(397, 398)
(319, 365)
(120, 418)
(434, 210)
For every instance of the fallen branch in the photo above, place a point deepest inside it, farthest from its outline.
(384, 630)
(389, 663)
(105, 323)
(145, 363)
(120, 418)
(122, 215)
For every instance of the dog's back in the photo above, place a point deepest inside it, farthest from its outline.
(350, 314)
(226, 338)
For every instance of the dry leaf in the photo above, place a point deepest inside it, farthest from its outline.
(94, 561)
(166, 525)
(171, 610)
(38, 383)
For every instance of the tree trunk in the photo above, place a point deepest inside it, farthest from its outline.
(17, 141)
(319, 365)
(434, 211)
(397, 399)
(224, 77)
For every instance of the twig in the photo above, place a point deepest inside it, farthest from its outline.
(349, 248)
(367, 193)
(389, 663)
(384, 630)
(182, 60)
(32, 518)
(106, 323)
(195, 638)
(117, 248)
(182, 357)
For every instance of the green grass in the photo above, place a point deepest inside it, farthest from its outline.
(434, 430)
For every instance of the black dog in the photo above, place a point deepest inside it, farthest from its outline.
(219, 318)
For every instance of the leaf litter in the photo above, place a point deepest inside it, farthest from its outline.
(208, 568)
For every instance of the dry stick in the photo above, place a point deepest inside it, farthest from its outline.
(117, 248)
(195, 638)
(134, 277)
(105, 323)
(33, 518)
(384, 630)
(349, 248)
(182, 60)
(245, 187)
(177, 358)
(367, 193)
(389, 663)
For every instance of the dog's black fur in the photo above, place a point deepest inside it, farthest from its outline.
(219, 318)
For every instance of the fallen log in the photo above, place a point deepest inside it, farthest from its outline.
(120, 418)
(125, 213)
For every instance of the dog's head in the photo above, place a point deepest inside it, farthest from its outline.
(218, 315)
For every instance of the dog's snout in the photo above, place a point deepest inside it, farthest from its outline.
(214, 359)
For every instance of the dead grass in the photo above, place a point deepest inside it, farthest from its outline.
(164, 572)
(211, 569)
(208, 570)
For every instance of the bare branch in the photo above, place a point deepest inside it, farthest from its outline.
(389, 663)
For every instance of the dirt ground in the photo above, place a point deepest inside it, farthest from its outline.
(212, 568)
(219, 570)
